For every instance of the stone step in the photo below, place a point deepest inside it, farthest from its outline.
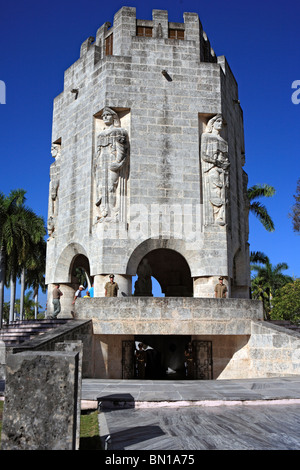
(8, 334)
(36, 322)
(20, 331)
(26, 329)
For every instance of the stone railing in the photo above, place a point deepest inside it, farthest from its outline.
(169, 315)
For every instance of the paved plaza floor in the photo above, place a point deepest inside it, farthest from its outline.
(144, 392)
(198, 428)
(250, 414)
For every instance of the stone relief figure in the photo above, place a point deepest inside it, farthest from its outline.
(111, 167)
(215, 168)
(143, 284)
(53, 191)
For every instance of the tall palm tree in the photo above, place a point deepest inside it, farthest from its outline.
(258, 209)
(34, 256)
(8, 222)
(29, 231)
(21, 230)
(35, 276)
(267, 281)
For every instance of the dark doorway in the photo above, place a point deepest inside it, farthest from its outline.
(166, 357)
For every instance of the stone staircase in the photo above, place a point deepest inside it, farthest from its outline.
(20, 331)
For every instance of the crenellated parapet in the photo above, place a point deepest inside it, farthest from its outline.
(116, 39)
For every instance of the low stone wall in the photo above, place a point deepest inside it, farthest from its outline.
(273, 350)
(169, 315)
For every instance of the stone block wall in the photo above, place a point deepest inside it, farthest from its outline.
(273, 350)
(269, 351)
(174, 315)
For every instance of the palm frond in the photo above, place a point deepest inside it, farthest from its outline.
(260, 190)
(260, 211)
(258, 257)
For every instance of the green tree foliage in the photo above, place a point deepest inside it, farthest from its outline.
(295, 215)
(286, 304)
(35, 272)
(29, 306)
(267, 282)
(256, 208)
(80, 275)
(6, 312)
(20, 232)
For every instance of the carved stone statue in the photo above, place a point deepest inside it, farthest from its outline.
(143, 284)
(54, 186)
(215, 166)
(111, 167)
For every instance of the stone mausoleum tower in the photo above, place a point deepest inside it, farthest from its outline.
(148, 180)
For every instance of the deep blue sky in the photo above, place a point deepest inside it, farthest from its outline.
(40, 39)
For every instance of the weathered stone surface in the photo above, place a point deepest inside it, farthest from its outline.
(40, 409)
(273, 350)
(2, 359)
(147, 315)
(75, 346)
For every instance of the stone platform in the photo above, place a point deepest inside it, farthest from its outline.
(147, 393)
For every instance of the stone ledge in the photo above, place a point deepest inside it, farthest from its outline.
(169, 315)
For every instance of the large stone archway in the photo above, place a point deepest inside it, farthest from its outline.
(65, 262)
(168, 264)
(72, 270)
(171, 270)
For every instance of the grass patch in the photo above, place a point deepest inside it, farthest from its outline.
(89, 431)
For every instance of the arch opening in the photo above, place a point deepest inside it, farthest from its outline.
(169, 268)
(80, 271)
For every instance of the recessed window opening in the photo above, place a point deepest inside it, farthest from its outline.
(176, 33)
(144, 31)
